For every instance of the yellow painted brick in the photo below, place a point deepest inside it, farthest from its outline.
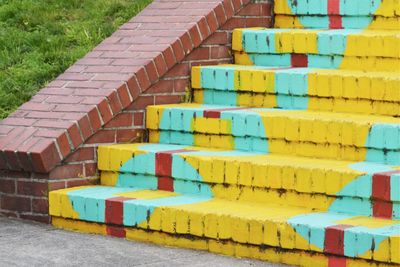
(275, 177)
(336, 85)
(303, 181)
(271, 233)
(155, 220)
(198, 96)
(256, 232)
(291, 129)
(245, 173)
(152, 117)
(299, 42)
(224, 227)
(245, 77)
(244, 99)
(318, 180)
(323, 86)
(258, 82)
(284, 42)
(196, 224)
(196, 77)
(237, 40)
(286, 236)
(382, 253)
(240, 230)
(168, 220)
(232, 172)
(211, 225)
(395, 248)
(260, 175)
(289, 177)
(182, 222)
(154, 136)
(103, 158)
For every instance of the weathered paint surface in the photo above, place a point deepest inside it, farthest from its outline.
(290, 155)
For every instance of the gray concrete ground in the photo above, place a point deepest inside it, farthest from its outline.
(25, 243)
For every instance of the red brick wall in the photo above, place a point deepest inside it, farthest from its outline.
(50, 142)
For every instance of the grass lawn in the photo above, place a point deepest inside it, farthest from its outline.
(39, 39)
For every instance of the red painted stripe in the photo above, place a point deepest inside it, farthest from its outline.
(382, 204)
(164, 169)
(216, 113)
(114, 212)
(335, 19)
(381, 185)
(116, 231)
(334, 239)
(166, 184)
(299, 60)
(382, 209)
(336, 261)
(164, 162)
(333, 7)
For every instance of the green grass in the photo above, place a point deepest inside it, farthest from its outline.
(39, 39)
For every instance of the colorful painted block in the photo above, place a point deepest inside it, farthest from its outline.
(290, 155)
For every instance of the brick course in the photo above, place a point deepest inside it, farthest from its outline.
(49, 142)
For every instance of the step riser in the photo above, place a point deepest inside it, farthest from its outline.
(271, 254)
(331, 14)
(345, 43)
(208, 218)
(336, 22)
(317, 61)
(263, 100)
(306, 149)
(350, 179)
(340, 85)
(243, 192)
(352, 8)
(273, 131)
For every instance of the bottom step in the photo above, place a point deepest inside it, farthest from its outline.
(248, 223)
(229, 248)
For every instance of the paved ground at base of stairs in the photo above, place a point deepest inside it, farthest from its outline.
(24, 243)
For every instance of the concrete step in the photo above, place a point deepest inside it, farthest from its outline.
(296, 132)
(336, 14)
(245, 223)
(348, 187)
(298, 88)
(333, 49)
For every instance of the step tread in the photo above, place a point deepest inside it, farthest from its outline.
(103, 204)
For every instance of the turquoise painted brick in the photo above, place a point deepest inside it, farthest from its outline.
(260, 145)
(282, 82)
(316, 61)
(315, 22)
(363, 186)
(165, 122)
(243, 143)
(302, 7)
(207, 77)
(254, 125)
(316, 7)
(376, 136)
(324, 43)
(359, 22)
(391, 138)
(271, 60)
(176, 119)
(349, 8)
(395, 187)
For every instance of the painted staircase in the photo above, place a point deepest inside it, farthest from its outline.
(290, 155)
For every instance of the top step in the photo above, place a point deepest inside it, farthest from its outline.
(337, 14)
